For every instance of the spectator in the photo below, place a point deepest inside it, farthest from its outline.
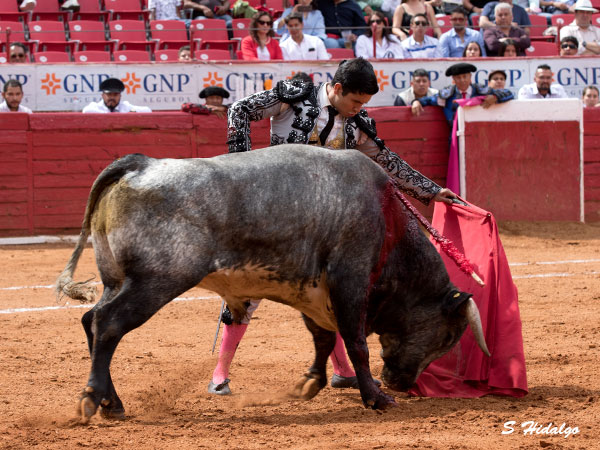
(454, 42)
(165, 9)
(214, 96)
(569, 46)
(542, 87)
(312, 20)
(184, 54)
(420, 86)
(406, 11)
(508, 49)
(518, 15)
(209, 9)
(388, 46)
(590, 97)
(17, 53)
(419, 45)
(553, 7)
(582, 28)
(473, 50)
(497, 79)
(300, 46)
(27, 5)
(12, 94)
(505, 29)
(111, 89)
(461, 88)
(260, 45)
(341, 15)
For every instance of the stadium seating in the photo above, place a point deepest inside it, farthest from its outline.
(340, 53)
(562, 19)
(130, 35)
(542, 49)
(90, 10)
(91, 56)
(212, 33)
(444, 23)
(168, 55)
(596, 19)
(131, 56)
(49, 10)
(9, 11)
(207, 54)
(538, 26)
(241, 28)
(126, 10)
(50, 36)
(17, 31)
(169, 34)
(51, 57)
(90, 35)
(275, 7)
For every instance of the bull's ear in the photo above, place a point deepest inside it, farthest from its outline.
(455, 302)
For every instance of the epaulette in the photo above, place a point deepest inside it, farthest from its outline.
(367, 125)
(482, 90)
(292, 91)
(446, 92)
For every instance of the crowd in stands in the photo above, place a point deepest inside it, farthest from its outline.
(146, 30)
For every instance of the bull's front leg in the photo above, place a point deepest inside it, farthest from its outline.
(316, 378)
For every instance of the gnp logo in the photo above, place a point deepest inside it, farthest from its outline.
(131, 82)
(382, 79)
(50, 83)
(213, 79)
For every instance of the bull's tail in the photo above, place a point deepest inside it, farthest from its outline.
(84, 290)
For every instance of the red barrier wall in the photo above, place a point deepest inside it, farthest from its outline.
(49, 161)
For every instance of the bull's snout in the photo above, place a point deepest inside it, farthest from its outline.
(397, 380)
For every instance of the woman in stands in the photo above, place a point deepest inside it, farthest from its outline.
(472, 50)
(590, 97)
(388, 45)
(260, 44)
(312, 20)
(508, 49)
(404, 14)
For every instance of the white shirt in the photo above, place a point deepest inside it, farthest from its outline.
(122, 107)
(530, 91)
(591, 34)
(310, 48)
(429, 48)
(390, 48)
(4, 108)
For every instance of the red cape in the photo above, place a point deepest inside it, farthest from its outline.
(465, 371)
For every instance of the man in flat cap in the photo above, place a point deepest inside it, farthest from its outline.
(461, 88)
(213, 96)
(111, 89)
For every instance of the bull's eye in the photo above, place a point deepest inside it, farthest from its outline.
(449, 339)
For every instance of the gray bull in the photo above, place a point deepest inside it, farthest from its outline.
(322, 231)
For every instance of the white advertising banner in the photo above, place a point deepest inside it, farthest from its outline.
(165, 86)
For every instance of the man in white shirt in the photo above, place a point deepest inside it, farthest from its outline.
(12, 95)
(542, 88)
(420, 86)
(300, 46)
(419, 45)
(111, 100)
(587, 35)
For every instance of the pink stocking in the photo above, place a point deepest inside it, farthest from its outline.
(232, 335)
(341, 366)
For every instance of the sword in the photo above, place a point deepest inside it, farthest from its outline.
(218, 326)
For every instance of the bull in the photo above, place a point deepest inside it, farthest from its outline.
(322, 231)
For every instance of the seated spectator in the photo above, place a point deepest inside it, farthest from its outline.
(388, 46)
(165, 9)
(569, 46)
(111, 89)
(519, 16)
(214, 96)
(406, 12)
(209, 9)
(454, 42)
(542, 87)
(505, 29)
(259, 45)
(508, 49)
(300, 46)
(461, 87)
(587, 34)
(497, 79)
(420, 86)
(12, 93)
(312, 20)
(184, 54)
(590, 97)
(339, 16)
(419, 45)
(473, 50)
(17, 53)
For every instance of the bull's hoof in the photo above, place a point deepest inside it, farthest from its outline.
(87, 406)
(381, 401)
(308, 386)
(112, 413)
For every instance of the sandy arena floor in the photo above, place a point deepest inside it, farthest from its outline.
(161, 370)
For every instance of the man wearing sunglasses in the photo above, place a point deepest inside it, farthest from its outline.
(587, 34)
(453, 42)
(569, 46)
(419, 45)
(18, 53)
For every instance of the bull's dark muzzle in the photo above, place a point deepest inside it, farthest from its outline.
(397, 381)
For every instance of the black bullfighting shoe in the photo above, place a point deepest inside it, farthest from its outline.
(340, 382)
(219, 389)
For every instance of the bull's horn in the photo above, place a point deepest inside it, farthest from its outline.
(474, 319)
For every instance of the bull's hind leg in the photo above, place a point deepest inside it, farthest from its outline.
(135, 303)
(316, 377)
